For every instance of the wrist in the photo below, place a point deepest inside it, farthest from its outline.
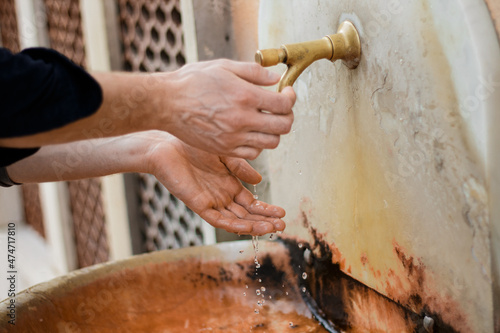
(150, 102)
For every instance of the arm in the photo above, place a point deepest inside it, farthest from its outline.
(208, 184)
(215, 106)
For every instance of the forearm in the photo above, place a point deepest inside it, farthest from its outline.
(131, 103)
(82, 159)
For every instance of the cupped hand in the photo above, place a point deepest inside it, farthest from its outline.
(220, 108)
(210, 185)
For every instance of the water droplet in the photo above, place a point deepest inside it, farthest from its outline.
(304, 275)
(246, 286)
(259, 303)
(291, 324)
(286, 293)
(303, 289)
(282, 286)
(255, 244)
(300, 172)
(255, 196)
(271, 236)
(260, 280)
(296, 162)
(257, 292)
(279, 232)
(263, 288)
(256, 311)
(300, 245)
(244, 294)
(241, 251)
(270, 297)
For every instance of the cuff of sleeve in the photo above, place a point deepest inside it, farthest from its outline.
(5, 180)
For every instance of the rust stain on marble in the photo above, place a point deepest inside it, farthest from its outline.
(351, 306)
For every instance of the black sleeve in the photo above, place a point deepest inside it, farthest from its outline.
(41, 90)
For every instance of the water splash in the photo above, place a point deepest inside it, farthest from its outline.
(255, 196)
(255, 244)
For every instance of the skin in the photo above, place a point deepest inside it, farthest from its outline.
(216, 114)
(216, 106)
(207, 183)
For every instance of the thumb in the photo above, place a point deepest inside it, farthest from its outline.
(242, 169)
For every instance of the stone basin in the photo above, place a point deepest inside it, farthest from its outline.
(200, 289)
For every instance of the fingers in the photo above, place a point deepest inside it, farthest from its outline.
(249, 153)
(277, 103)
(252, 72)
(274, 102)
(230, 222)
(246, 199)
(242, 170)
(242, 212)
(269, 123)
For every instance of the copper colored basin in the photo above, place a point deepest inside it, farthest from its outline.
(200, 289)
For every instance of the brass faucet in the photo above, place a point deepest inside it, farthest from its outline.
(344, 45)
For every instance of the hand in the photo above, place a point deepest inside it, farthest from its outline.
(218, 107)
(210, 185)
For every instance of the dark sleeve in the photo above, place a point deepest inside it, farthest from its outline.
(9, 156)
(41, 90)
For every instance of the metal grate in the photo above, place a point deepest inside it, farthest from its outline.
(65, 34)
(8, 25)
(169, 224)
(64, 24)
(88, 218)
(152, 35)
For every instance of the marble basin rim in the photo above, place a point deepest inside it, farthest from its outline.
(213, 288)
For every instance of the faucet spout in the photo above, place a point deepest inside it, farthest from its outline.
(343, 45)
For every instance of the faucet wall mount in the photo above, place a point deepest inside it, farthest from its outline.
(344, 45)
